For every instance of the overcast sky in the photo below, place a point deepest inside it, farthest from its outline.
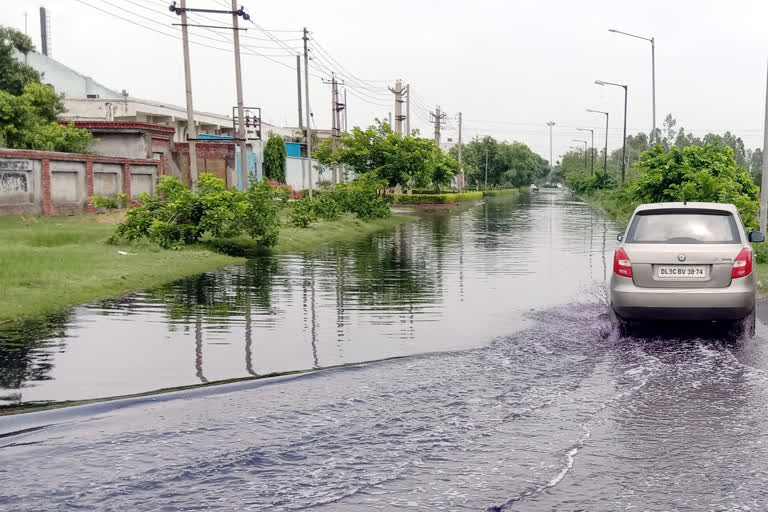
(509, 66)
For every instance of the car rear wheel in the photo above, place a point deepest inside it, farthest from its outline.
(744, 328)
(621, 325)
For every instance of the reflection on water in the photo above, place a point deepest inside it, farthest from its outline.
(448, 281)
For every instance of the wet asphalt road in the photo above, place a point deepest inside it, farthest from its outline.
(558, 413)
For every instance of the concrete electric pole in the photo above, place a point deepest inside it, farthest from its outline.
(240, 110)
(438, 117)
(408, 110)
(398, 90)
(338, 107)
(191, 128)
(334, 126)
(298, 88)
(306, 95)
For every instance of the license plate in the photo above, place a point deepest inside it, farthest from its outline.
(681, 271)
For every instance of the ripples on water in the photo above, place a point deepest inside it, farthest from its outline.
(449, 281)
(556, 413)
(562, 415)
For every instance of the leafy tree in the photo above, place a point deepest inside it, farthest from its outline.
(509, 164)
(28, 121)
(756, 165)
(14, 74)
(389, 157)
(274, 158)
(697, 173)
(445, 169)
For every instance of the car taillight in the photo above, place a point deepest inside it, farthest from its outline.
(742, 265)
(621, 264)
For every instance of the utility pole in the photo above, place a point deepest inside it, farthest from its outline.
(398, 90)
(298, 87)
(306, 95)
(461, 167)
(191, 128)
(486, 169)
(240, 110)
(438, 117)
(551, 163)
(338, 108)
(408, 110)
(764, 180)
(390, 120)
(334, 125)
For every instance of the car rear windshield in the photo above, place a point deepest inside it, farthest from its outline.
(688, 227)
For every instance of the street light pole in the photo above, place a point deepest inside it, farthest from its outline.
(590, 130)
(585, 151)
(550, 124)
(651, 40)
(605, 151)
(624, 141)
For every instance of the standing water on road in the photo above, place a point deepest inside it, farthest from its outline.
(523, 398)
(446, 282)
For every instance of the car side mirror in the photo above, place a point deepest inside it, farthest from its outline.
(756, 236)
(620, 236)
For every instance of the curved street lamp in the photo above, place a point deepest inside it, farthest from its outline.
(624, 141)
(653, 71)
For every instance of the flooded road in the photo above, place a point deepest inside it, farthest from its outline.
(446, 282)
(522, 398)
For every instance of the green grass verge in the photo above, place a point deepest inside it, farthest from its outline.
(49, 263)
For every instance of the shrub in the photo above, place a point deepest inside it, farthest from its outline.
(259, 216)
(327, 207)
(302, 213)
(110, 203)
(178, 216)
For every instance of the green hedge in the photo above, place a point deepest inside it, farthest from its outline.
(499, 191)
(451, 198)
(422, 191)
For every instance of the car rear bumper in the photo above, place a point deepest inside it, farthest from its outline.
(730, 303)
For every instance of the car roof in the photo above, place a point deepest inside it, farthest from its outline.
(688, 205)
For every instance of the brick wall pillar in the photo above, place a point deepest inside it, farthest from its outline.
(89, 182)
(46, 177)
(127, 180)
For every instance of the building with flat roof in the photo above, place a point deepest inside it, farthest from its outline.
(88, 100)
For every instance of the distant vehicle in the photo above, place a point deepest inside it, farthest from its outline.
(534, 188)
(685, 261)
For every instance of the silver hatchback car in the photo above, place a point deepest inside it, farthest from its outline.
(685, 261)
